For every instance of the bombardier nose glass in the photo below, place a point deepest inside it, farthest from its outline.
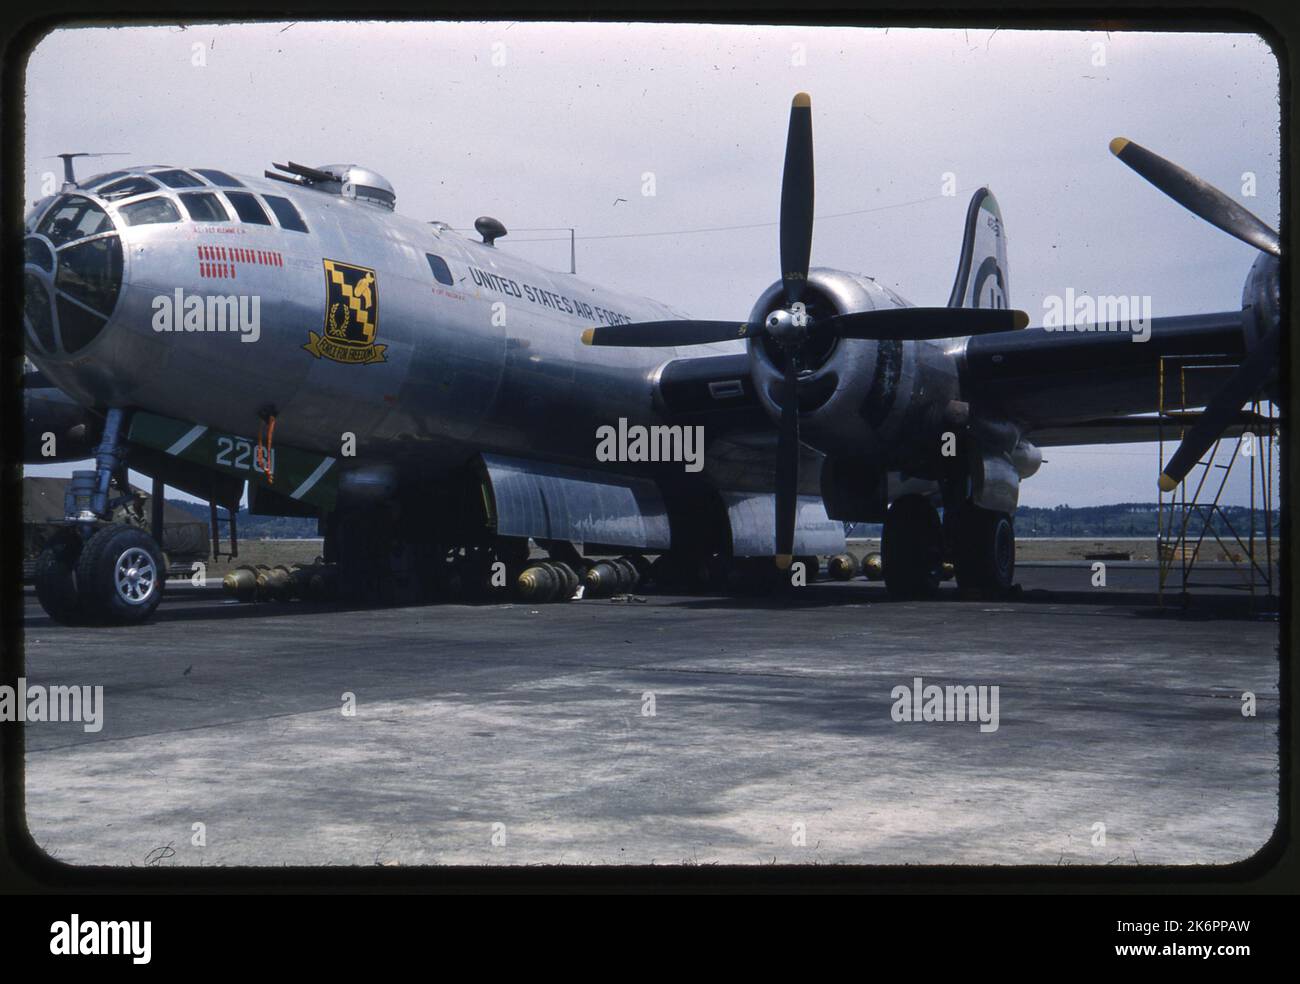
(72, 275)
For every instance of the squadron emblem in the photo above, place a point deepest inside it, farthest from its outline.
(351, 316)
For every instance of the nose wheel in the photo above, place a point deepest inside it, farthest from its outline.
(116, 577)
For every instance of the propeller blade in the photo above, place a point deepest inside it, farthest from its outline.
(787, 465)
(651, 334)
(1221, 411)
(1198, 197)
(917, 323)
(797, 199)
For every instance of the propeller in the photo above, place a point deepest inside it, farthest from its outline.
(789, 327)
(1198, 197)
(796, 229)
(886, 324)
(1207, 202)
(1222, 410)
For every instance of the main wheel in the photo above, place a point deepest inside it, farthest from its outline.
(985, 554)
(120, 575)
(56, 580)
(912, 548)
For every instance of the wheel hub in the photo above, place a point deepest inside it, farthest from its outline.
(136, 576)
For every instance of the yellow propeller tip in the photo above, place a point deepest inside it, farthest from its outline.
(1167, 484)
(587, 335)
(783, 561)
(802, 100)
(1118, 144)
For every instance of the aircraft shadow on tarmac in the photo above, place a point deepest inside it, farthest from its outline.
(1219, 603)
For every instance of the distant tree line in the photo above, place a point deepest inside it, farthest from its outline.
(252, 527)
(1121, 519)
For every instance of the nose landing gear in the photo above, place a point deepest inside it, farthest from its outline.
(97, 571)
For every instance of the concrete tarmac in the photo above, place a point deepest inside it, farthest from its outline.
(673, 730)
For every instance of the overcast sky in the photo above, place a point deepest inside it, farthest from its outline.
(556, 125)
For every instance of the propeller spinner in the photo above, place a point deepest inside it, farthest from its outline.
(789, 327)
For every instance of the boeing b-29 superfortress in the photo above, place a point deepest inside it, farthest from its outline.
(436, 402)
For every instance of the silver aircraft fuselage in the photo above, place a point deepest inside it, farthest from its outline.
(492, 361)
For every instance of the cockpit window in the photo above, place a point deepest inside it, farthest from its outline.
(91, 272)
(149, 211)
(286, 213)
(36, 311)
(247, 207)
(379, 195)
(127, 187)
(34, 216)
(77, 326)
(219, 177)
(74, 218)
(70, 295)
(441, 272)
(35, 251)
(204, 207)
(177, 178)
(100, 179)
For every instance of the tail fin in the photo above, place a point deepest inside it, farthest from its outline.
(982, 280)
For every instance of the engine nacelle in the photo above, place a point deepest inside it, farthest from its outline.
(878, 398)
(1261, 297)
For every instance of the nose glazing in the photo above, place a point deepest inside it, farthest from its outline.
(72, 275)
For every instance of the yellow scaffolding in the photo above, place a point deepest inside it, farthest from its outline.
(1183, 521)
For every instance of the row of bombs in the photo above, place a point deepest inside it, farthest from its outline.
(313, 582)
(552, 580)
(842, 567)
(540, 581)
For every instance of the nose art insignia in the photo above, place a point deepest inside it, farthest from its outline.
(351, 316)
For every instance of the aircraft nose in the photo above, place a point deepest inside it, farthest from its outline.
(72, 275)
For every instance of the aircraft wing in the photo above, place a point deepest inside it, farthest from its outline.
(1044, 378)
(1145, 428)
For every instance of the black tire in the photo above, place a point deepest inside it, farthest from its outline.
(912, 548)
(121, 575)
(985, 555)
(56, 580)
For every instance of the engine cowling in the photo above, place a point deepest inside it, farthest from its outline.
(884, 399)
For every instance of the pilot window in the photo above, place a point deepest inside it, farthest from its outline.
(204, 207)
(100, 179)
(176, 178)
(127, 187)
(74, 218)
(35, 251)
(440, 270)
(286, 213)
(91, 273)
(219, 177)
(247, 208)
(149, 211)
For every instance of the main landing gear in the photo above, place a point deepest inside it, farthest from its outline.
(983, 545)
(980, 543)
(96, 571)
(912, 548)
